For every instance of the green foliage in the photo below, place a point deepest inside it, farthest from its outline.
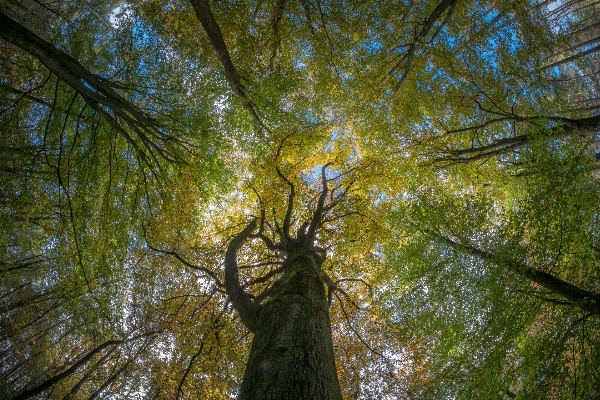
(481, 165)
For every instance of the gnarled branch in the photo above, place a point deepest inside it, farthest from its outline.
(241, 301)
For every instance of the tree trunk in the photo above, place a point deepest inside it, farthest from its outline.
(584, 299)
(292, 352)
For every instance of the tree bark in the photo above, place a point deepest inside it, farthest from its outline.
(292, 353)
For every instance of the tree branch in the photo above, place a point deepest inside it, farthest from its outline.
(318, 213)
(276, 27)
(419, 39)
(267, 276)
(82, 361)
(212, 29)
(567, 128)
(187, 371)
(241, 301)
(186, 263)
(96, 91)
(290, 206)
(584, 299)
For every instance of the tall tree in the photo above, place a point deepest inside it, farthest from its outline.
(292, 350)
(299, 199)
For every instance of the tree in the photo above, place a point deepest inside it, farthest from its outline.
(292, 350)
(299, 199)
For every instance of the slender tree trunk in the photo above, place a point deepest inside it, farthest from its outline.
(584, 299)
(292, 352)
(99, 93)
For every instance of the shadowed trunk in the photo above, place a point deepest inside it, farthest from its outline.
(292, 352)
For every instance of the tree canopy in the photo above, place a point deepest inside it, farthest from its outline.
(446, 150)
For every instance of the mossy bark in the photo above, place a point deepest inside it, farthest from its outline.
(292, 353)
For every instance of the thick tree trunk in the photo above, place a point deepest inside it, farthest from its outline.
(292, 352)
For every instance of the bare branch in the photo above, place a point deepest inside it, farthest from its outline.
(89, 7)
(260, 264)
(354, 280)
(91, 370)
(212, 29)
(338, 217)
(265, 277)
(267, 241)
(318, 213)
(335, 200)
(290, 206)
(240, 300)
(358, 335)
(186, 263)
(187, 371)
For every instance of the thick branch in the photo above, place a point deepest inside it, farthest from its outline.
(276, 26)
(89, 373)
(565, 60)
(419, 39)
(268, 242)
(584, 299)
(260, 235)
(568, 127)
(209, 23)
(97, 92)
(241, 301)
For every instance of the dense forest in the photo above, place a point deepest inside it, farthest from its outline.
(299, 199)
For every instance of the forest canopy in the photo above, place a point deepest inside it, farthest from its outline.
(163, 160)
